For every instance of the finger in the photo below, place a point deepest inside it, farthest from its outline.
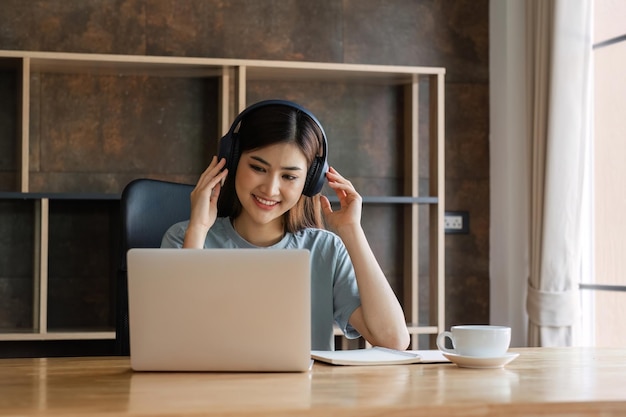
(215, 194)
(206, 174)
(212, 189)
(341, 190)
(214, 163)
(215, 169)
(325, 203)
(217, 179)
(335, 177)
(335, 174)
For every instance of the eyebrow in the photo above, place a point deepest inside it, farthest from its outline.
(264, 162)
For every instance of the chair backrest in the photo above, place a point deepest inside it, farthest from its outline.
(148, 208)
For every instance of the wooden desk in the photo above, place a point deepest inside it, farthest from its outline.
(568, 381)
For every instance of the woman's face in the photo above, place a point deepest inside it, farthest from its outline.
(269, 181)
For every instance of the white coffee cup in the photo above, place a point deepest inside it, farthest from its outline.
(484, 341)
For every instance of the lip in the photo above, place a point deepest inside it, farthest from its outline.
(260, 202)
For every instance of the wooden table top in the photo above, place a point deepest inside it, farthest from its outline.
(545, 381)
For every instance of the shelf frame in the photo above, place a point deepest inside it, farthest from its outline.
(233, 76)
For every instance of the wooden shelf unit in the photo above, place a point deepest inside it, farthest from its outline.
(234, 77)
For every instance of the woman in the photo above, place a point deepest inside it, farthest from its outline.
(264, 193)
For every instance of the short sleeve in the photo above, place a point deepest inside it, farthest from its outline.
(175, 236)
(346, 297)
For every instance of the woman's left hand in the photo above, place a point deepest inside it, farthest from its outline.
(349, 213)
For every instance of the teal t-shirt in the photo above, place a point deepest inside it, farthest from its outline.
(334, 291)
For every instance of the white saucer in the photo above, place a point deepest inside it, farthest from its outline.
(480, 363)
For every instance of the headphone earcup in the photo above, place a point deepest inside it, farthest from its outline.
(229, 150)
(315, 177)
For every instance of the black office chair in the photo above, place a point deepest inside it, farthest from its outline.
(148, 208)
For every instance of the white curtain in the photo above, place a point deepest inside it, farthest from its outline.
(558, 53)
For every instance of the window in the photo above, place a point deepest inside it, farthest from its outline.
(604, 297)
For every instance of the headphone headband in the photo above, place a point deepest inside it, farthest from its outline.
(229, 146)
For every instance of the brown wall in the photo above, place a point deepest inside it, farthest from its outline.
(446, 33)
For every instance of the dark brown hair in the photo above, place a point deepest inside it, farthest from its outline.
(270, 125)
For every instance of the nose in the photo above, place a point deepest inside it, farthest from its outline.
(271, 185)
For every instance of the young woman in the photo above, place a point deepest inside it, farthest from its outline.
(264, 193)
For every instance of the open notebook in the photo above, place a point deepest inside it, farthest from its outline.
(378, 356)
(219, 310)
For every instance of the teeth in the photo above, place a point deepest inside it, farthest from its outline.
(266, 202)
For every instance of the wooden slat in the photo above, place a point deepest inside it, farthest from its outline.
(37, 224)
(240, 90)
(24, 123)
(64, 335)
(198, 66)
(437, 187)
(411, 188)
(417, 330)
(224, 103)
(41, 262)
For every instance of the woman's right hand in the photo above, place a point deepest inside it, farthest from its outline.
(204, 203)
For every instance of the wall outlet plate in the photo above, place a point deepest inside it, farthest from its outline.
(456, 222)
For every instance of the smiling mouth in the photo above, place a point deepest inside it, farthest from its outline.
(265, 202)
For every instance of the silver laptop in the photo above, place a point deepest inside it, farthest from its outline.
(226, 310)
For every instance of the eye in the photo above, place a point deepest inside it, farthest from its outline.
(289, 177)
(257, 168)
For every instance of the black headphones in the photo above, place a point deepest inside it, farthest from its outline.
(229, 147)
